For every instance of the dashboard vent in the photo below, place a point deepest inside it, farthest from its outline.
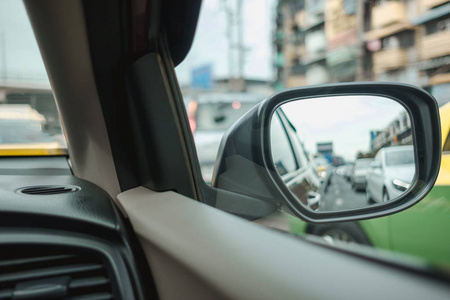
(48, 189)
(54, 275)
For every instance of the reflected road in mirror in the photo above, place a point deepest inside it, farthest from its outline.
(343, 152)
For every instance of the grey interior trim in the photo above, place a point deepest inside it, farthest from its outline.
(223, 256)
(65, 51)
(278, 220)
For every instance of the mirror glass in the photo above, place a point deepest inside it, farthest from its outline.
(343, 152)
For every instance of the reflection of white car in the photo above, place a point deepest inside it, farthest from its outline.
(390, 174)
(359, 175)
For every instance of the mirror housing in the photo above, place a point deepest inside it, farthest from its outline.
(244, 164)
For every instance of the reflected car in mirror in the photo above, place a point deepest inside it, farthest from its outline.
(293, 164)
(391, 174)
(356, 121)
(358, 179)
(335, 136)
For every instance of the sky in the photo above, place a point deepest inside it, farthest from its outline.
(211, 47)
(346, 121)
(20, 58)
(317, 122)
(19, 54)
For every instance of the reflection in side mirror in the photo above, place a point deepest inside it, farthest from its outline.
(343, 152)
(375, 165)
(298, 151)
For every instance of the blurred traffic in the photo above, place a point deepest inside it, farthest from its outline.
(210, 115)
(25, 131)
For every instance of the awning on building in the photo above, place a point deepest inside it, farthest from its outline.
(432, 14)
(434, 63)
(440, 79)
(315, 59)
(387, 31)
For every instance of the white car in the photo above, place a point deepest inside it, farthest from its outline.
(359, 175)
(390, 174)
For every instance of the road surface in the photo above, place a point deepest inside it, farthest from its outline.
(340, 196)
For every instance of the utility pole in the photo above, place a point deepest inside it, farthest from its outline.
(3, 49)
(240, 45)
(360, 51)
(236, 47)
(229, 33)
(229, 15)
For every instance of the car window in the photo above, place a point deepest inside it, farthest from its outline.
(262, 47)
(396, 158)
(29, 121)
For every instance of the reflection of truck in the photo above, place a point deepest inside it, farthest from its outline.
(324, 161)
(326, 150)
(210, 115)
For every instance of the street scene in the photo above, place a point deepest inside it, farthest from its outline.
(326, 152)
(225, 149)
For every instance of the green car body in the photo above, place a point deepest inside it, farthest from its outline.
(422, 230)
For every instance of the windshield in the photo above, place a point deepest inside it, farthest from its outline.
(400, 157)
(29, 121)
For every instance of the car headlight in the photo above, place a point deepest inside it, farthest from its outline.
(322, 174)
(400, 185)
(321, 171)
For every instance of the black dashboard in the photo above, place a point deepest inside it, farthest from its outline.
(62, 237)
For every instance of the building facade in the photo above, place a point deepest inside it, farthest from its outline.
(326, 41)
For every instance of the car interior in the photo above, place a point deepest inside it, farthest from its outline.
(126, 214)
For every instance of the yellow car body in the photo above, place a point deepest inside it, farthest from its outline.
(22, 133)
(444, 173)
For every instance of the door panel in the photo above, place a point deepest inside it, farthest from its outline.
(227, 257)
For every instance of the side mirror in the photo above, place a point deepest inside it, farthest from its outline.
(344, 123)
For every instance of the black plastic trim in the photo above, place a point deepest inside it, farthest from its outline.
(117, 261)
(154, 122)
